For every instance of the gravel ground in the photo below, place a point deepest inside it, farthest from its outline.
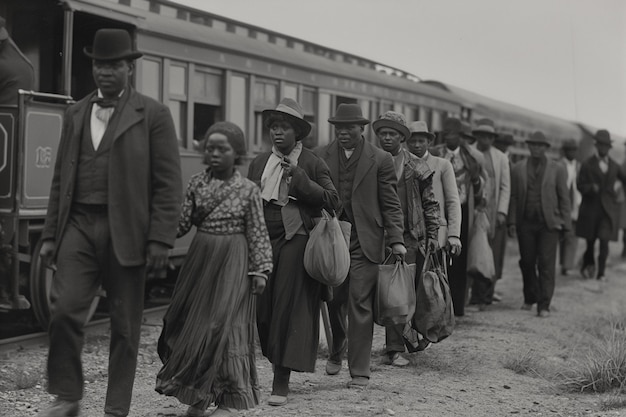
(465, 375)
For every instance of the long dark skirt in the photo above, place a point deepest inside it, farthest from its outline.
(288, 312)
(207, 343)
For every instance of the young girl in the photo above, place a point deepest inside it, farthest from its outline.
(207, 343)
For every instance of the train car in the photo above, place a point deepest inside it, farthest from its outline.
(204, 67)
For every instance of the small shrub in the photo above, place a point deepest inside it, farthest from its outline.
(603, 367)
(522, 364)
(614, 402)
(23, 379)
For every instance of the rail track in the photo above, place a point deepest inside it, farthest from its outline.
(151, 316)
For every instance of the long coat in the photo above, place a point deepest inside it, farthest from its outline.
(144, 179)
(555, 203)
(375, 202)
(594, 204)
(446, 192)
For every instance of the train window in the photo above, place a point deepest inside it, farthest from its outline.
(151, 78)
(385, 106)
(178, 80)
(140, 4)
(207, 87)
(436, 119)
(237, 101)
(205, 115)
(325, 133)
(179, 114)
(290, 91)
(265, 94)
(308, 100)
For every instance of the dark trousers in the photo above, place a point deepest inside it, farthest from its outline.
(355, 297)
(393, 334)
(537, 246)
(567, 248)
(85, 261)
(588, 257)
(457, 272)
(499, 248)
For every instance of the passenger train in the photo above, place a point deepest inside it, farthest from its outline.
(206, 68)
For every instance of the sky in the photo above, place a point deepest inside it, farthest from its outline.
(566, 58)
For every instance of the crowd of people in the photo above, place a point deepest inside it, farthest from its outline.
(116, 207)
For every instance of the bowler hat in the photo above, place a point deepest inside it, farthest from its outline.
(3, 29)
(505, 138)
(538, 138)
(111, 45)
(420, 128)
(569, 144)
(393, 120)
(603, 136)
(452, 124)
(485, 126)
(291, 110)
(349, 113)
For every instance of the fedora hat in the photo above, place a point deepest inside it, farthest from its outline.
(505, 138)
(3, 29)
(111, 45)
(420, 128)
(290, 109)
(393, 120)
(452, 124)
(569, 144)
(485, 126)
(349, 113)
(539, 138)
(466, 131)
(603, 137)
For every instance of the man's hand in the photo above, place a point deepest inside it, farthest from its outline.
(454, 243)
(399, 250)
(501, 219)
(48, 247)
(432, 245)
(258, 284)
(157, 255)
(512, 231)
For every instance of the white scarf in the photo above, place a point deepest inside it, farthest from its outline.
(272, 177)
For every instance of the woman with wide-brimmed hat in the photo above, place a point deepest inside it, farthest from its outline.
(295, 186)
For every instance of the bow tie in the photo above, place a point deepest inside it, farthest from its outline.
(105, 103)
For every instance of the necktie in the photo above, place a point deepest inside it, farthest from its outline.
(105, 108)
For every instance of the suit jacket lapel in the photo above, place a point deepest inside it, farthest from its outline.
(365, 163)
(132, 114)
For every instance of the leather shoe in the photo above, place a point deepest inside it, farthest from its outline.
(332, 368)
(194, 412)
(396, 359)
(277, 400)
(358, 382)
(61, 408)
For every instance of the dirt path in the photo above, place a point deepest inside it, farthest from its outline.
(466, 375)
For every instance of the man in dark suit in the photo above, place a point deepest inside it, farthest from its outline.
(539, 211)
(598, 216)
(114, 207)
(366, 181)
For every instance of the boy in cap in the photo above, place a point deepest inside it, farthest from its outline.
(114, 207)
(420, 208)
(366, 181)
(598, 216)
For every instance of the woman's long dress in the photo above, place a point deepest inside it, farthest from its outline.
(207, 344)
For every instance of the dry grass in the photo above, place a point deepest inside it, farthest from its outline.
(614, 402)
(602, 367)
(524, 364)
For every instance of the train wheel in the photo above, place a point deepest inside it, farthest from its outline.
(40, 283)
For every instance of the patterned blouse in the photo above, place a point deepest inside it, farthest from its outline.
(228, 207)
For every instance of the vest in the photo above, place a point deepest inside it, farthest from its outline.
(347, 172)
(92, 177)
(533, 210)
